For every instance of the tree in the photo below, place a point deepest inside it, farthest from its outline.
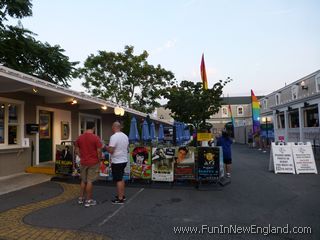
(16, 9)
(190, 103)
(21, 51)
(126, 78)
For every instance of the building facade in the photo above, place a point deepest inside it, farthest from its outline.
(294, 109)
(36, 116)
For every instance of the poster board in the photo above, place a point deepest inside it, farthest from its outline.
(140, 162)
(303, 158)
(208, 163)
(281, 158)
(184, 169)
(162, 164)
(105, 164)
(64, 159)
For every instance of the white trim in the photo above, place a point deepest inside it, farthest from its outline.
(21, 123)
(53, 131)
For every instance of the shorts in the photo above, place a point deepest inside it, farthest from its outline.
(89, 173)
(118, 171)
(227, 161)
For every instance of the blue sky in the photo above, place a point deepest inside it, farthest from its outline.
(260, 44)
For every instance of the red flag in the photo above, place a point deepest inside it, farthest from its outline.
(203, 73)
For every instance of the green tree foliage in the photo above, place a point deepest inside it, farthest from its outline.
(190, 103)
(14, 8)
(21, 51)
(126, 79)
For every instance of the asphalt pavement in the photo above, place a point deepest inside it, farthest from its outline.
(256, 201)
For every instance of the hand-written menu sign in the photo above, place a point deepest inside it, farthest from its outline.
(281, 160)
(304, 158)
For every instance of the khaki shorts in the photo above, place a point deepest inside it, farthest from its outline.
(89, 174)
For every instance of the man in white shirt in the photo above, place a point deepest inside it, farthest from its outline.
(118, 148)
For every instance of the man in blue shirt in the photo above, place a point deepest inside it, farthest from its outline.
(225, 142)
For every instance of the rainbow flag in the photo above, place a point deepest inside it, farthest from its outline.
(255, 113)
(230, 111)
(203, 73)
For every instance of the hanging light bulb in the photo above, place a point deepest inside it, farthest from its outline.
(104, 107)
(121, 111)
(34, 90)
(74, 101)
(117, 110)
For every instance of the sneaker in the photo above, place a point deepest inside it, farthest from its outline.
(90, 202)
(80, 200)
(228, 175)
(124, 198)
(117, 201)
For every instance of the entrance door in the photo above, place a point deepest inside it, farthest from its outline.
(45, 136)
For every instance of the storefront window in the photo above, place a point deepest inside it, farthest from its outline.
(85, 119)
(10, 125)
(294, 119)
(13, 114)
(311, 116)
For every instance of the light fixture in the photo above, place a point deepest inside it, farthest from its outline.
(121, 112)
(117, 110)
(104, 107)
(303, 85)
(35, 90)
(2, 106)
(74, 101)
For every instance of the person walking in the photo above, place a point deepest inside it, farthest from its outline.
(118, 149)
(88, 148)
(225, 142)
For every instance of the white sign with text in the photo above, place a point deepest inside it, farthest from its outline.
(281, 159)
(304, 158)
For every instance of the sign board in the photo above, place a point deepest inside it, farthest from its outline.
(304, 158)
(140, 162)
(162, 164)
(32, 128)
(204, 136)
(281, 159)
(64, 160)
(25, 142)
(208, 163)
(184, 166)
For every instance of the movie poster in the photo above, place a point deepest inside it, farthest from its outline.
(184, 167)
(140, 162)
(162, 164)
(208, 163)
(64, 160)
(105, 164)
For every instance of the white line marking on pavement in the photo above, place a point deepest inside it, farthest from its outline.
(122, 206)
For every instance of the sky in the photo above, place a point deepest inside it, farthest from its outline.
(260, 44)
